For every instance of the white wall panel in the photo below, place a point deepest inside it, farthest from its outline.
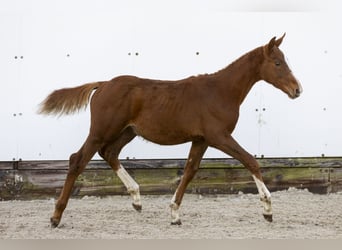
(46, 45)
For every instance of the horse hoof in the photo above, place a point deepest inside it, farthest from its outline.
(177, 222)
(54, 222)
(268, 217)
(137, 207)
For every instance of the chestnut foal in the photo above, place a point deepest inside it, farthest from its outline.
(200, 109)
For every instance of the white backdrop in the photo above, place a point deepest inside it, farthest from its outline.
(46, 45)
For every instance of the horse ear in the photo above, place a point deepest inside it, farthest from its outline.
(271, 44)
(280, 40)
(274, 42)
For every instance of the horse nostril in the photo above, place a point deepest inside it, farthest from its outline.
(298, 92)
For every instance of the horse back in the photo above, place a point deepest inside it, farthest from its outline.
(165, 112)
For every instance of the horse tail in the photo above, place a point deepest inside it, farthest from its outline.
(68, 100)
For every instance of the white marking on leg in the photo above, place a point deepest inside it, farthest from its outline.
(265, 196)
(130, 184)
(175, 219)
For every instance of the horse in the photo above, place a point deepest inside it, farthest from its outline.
(201, 109)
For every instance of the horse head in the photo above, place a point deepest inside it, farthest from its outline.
(275, 70)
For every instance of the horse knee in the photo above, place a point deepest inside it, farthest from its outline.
(193, 170)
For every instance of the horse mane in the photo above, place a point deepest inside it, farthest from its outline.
(249, 56)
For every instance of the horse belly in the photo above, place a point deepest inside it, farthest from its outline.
(163, 134)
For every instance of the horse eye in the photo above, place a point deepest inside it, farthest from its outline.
(277, 63)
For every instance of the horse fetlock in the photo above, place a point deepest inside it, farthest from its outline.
(267, 204)
(135, 194)
(267, 208)
(54, 222)
(56, 218)
(175, 218)
(174, 206)
(266, 200)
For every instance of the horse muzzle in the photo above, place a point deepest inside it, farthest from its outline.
(296, 91)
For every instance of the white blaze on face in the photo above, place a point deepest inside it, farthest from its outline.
(299, 84)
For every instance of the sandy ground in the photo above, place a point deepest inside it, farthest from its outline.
(297, 214)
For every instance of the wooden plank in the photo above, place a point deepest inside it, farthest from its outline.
(336, 179)
(7, 185)
(21, 184)
(7, 165)
(45, 179)
(43, 165)
(179, 163)
(99, 164)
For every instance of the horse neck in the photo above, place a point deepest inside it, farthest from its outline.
(238, 78)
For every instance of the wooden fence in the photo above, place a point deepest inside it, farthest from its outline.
(44, 179)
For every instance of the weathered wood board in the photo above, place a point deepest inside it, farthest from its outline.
(44, 179)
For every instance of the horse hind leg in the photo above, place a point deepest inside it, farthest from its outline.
(132, 187)
(110, 153)
(77, 163)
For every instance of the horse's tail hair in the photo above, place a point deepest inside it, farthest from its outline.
(68, 100)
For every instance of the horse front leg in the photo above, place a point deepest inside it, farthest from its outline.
(229, 146)
(197, 150)
(265, 197)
